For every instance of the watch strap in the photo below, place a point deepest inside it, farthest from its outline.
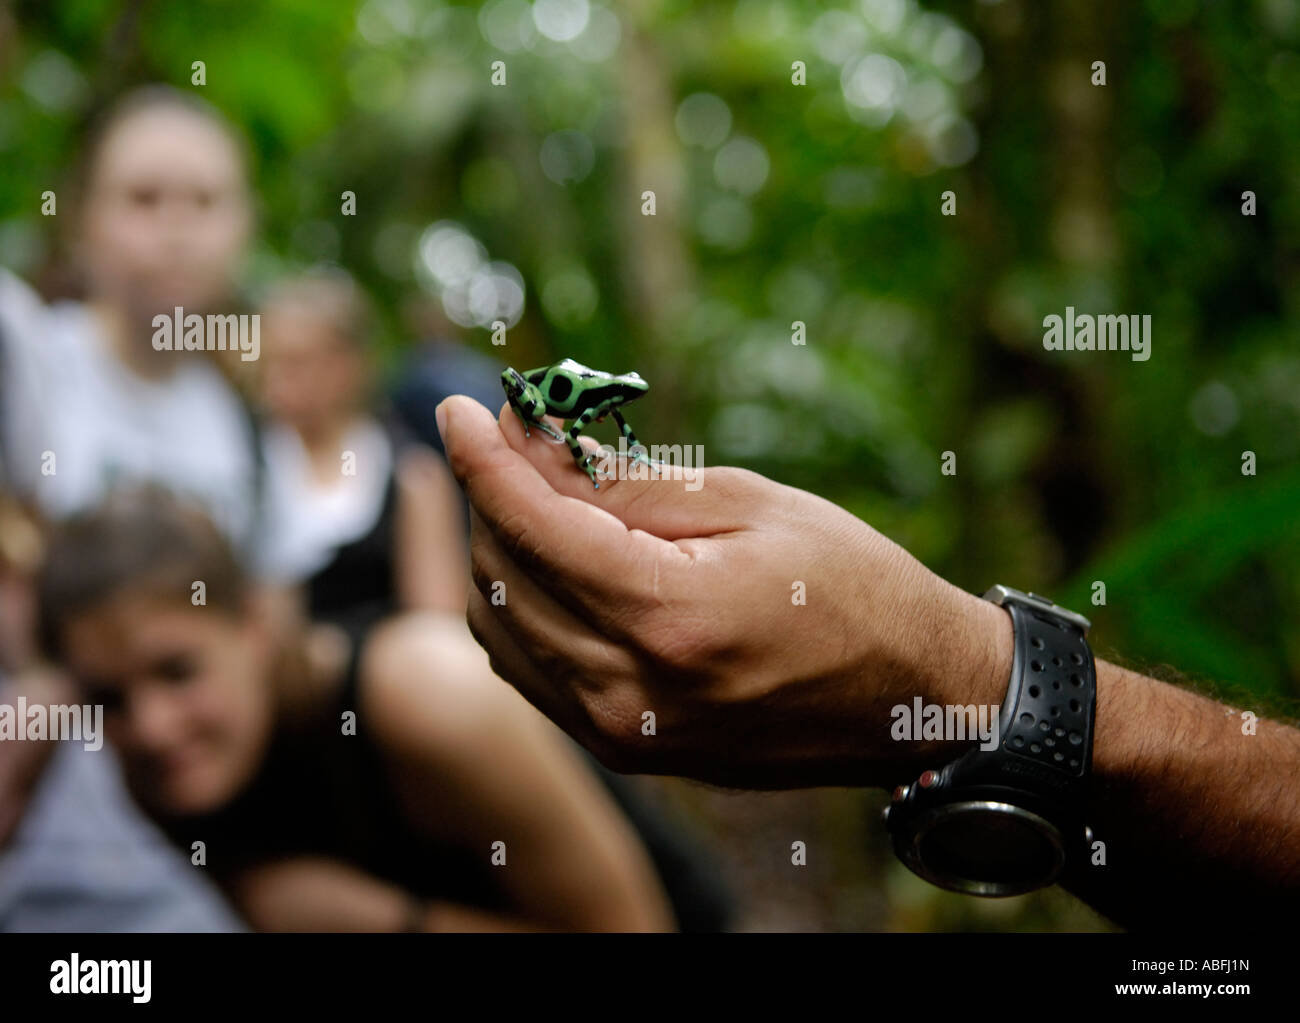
(1049, 712)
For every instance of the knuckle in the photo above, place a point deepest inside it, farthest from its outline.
(614, 719)
(499, 669)
(479, 572)
(732, 483)
(485, 628)
(474, 619)
(518, 539)
(551, 662)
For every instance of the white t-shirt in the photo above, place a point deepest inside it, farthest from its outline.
(77, 421)
(306, 522)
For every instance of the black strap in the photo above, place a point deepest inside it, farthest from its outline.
(1051, 702)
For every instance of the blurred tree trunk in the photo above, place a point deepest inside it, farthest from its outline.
(657, 271)
(1039, 63)
(1083, 224)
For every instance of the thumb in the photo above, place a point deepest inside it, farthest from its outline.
(572, 548)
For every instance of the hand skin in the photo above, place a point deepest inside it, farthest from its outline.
(645, 596)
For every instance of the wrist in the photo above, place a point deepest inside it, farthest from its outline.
(961, 654)
(972, 653)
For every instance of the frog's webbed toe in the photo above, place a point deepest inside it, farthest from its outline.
(550, 431)
(584, 463)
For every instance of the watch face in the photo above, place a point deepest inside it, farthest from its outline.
(986, 848)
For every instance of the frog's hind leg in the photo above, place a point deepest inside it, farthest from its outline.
(632, 442)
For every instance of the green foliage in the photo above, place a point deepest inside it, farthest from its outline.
(923, 331)
(780, 203)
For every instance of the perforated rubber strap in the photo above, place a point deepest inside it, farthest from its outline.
(1051, 702)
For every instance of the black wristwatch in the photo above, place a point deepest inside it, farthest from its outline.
(1007, 820)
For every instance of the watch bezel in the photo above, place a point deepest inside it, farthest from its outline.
(1000, 782)
(921, 826)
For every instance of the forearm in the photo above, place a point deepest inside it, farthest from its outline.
(1200, 821)
(432, 562)
(452, 918)
(323, 895)
(473, 764)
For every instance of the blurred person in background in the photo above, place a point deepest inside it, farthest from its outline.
(162, 219)
(20, 555)
(435, 367)
(75, 853)
(363, 787)
(369, 520)
(160, 216)
(365, 517)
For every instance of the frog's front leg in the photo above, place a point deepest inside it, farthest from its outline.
(528, 418)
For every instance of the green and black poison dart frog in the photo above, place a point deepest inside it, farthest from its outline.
(570, 390)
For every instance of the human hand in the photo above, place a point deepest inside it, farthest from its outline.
(644, 596)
